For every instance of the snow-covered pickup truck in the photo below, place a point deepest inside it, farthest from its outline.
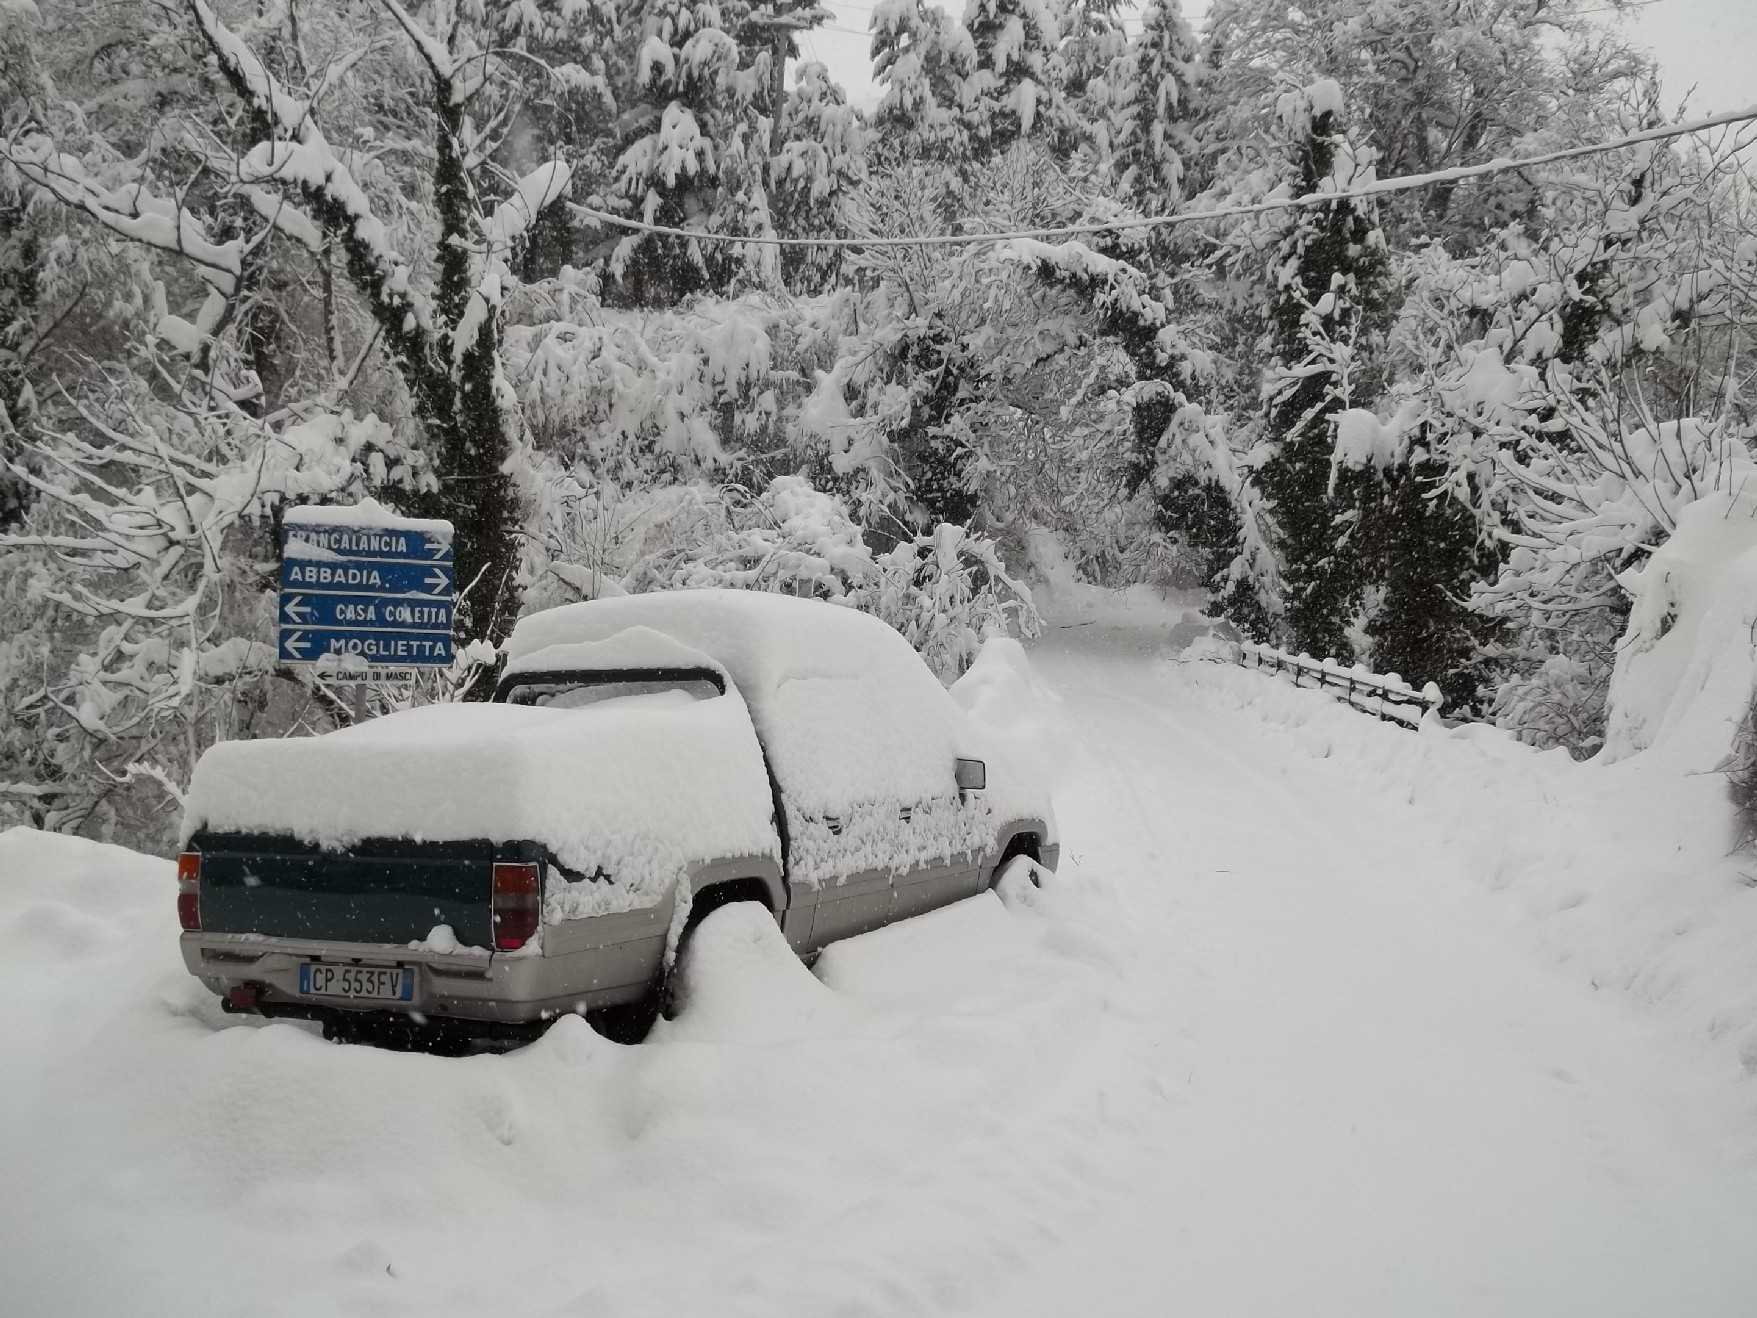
(470, 871)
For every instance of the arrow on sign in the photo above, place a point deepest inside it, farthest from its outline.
(438, 582)
(297, 642)
(437, 547)
(298, 610)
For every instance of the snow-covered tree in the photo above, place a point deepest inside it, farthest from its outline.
(1326, 283)
(921, 60)
(687, 158)
(1430, 84)
(1153, 92)
(946, 590)
(138, 587)
(1014, 87)
(1586, 355)
(1093, 39)
(821, 162)
(281, 180)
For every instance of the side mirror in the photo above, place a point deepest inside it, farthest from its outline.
(972, 775)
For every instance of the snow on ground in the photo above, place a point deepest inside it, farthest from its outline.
(1391, 1102)
(1625, 874)
(1277, 1040)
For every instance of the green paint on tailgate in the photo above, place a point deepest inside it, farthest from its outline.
(377, 892)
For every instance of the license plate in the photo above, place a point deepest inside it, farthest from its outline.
(379, 983)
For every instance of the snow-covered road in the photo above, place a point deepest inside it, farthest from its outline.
(1265, 1047)
(1377, 1102)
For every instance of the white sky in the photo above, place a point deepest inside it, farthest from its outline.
(1708, 44)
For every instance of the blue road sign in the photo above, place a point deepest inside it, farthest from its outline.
(380, 593)
(356, 576)
(303, 609)
(424, 546)
(380, 649)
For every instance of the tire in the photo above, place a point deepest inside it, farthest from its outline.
(670, 992)
(1023, 844)
(631, 1022)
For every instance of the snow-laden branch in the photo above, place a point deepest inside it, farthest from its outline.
(282, 114)
(294, 153)
(537, 191)
(132, 211)
(1117, 290)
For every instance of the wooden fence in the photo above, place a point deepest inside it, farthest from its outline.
(1387, 696)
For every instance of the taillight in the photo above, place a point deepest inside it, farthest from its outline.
(189, 890)
(517, 903)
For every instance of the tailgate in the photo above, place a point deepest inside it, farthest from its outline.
(388, 891)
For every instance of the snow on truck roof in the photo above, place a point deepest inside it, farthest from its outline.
(634, 648)
(844, 706)
(761, 639)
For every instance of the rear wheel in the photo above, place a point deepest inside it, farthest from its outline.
(670, 996)
(630, 1022)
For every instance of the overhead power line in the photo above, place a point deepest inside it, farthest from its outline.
(1406, 183)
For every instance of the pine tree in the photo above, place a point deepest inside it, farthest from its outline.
(921, 59)
(1014, 89)
(1425, 549)
(1093, 40)
(933, 447)
(686, 148)
(822, 159)
(1154, 106)
(1430, 83)
(1326, 280)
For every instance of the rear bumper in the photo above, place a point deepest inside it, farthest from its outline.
(618, 964)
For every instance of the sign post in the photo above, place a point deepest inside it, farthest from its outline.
(367, 591)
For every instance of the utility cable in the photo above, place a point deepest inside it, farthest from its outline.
(1381, 188)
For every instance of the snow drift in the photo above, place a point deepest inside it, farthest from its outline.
(762, 1154)
(1624, 872)
(1687, 664)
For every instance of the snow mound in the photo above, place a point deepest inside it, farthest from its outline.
(95, 875)
(63, 899)
(1687, 663)
(1020, 728)
(998, 688)
(740, 983)
(1020, 884)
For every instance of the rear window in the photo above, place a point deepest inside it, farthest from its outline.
(576, 692)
